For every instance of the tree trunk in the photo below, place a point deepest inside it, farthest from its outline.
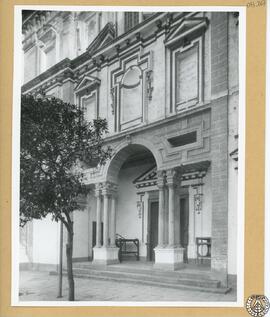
(69, 251)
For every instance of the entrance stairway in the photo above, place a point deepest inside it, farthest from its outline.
(143, 273)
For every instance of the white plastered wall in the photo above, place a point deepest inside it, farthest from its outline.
(45, 241)
(128, 223)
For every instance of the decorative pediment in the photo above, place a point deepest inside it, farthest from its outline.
(187, 172)
(105, 36)
(89, 82)
(149, 175)
(186, 30)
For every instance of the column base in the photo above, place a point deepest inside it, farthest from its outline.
(169, 258)
(105, 255)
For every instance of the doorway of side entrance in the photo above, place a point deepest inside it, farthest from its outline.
(184, 224)
(152, 230)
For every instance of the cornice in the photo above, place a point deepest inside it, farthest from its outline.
(95, 61)
(157, 124)
(54, 70)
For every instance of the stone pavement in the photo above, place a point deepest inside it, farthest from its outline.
(40, 286)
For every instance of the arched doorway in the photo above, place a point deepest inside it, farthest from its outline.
(121, 203)
(138, 199)
(136, 219)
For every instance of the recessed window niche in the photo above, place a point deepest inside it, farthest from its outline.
(131, 95)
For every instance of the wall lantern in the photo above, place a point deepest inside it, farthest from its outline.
(198, 197)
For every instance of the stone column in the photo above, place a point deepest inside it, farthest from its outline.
(108, 254)
(191, 228)
(113, 220)
(161, 227)
(171, 257)
(105, 193)
(171, 186)
(98, 220)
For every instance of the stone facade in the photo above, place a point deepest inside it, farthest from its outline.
(167, 83)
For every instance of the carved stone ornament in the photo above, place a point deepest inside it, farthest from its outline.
(160, 178)
(198, 203)
(149, 87)
(171, 175)
(112, 100)
(128, 139)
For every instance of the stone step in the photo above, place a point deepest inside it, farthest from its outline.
(161, 277)
(184, 273)
(144, 281)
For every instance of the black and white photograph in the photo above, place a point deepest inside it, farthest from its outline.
(130, 156)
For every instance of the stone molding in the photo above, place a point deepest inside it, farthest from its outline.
(187, 29)
(93, 62)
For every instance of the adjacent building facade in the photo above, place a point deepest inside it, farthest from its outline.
(167, 83)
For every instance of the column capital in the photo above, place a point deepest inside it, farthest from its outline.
(114, 190)
(160, 178)
(171, 175)
(109, 188)
(98, 188)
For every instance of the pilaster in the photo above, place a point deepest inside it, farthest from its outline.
(161, 213)
(191, 231)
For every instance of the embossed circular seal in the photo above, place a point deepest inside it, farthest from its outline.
(257, 305)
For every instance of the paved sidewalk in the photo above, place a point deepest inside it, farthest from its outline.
(40, 286)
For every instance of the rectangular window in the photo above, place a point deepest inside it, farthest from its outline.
(131, 19)
(50, 57)
(187, 75)
(183, 139)
(91, 30)
(89, 107)
(30, 61)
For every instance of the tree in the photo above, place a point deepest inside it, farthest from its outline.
(56, 145)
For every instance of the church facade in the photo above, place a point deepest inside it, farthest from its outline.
(167, 83)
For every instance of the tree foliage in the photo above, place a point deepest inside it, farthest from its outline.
(56, 143)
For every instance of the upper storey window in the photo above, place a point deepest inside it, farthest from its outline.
(187, 69)
(131, 19)
(89, 106)
(129, 91)
(87, 95)
(30, 61)
(131, 94)
(48, 53)
(185, 46)
(87, 30)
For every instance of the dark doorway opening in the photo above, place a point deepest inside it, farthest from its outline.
(152, 230)
(184, 223)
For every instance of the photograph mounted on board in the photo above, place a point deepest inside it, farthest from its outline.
(130, 191)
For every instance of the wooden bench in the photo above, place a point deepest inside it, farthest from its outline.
(127, 247)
